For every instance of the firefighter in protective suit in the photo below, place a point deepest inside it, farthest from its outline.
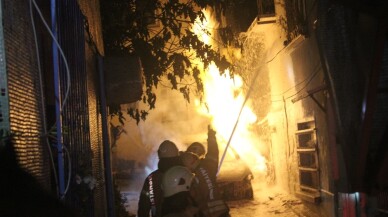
(176, 184)
(204, 188)
(151, 195)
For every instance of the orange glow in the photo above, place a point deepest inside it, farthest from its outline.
(223, 99)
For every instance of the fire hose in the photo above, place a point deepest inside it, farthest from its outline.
(242, 107)
(235, 125)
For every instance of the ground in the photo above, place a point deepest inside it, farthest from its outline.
(267, 202)
(270, 201)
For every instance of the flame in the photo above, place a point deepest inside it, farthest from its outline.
(223, 100)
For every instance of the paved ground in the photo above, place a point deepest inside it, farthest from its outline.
(278, 205)
(267, 202)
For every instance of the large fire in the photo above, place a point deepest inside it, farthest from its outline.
(223, 101)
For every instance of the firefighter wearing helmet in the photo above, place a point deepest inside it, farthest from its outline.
(151, 195)
(197, 148)
(176, 185)
(205, 165)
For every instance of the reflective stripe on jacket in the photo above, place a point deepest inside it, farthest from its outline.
(151, 196)
(206, 194)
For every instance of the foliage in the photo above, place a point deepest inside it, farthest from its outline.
(83, 187)
(295, 22)
(159, 33)
(120, 201)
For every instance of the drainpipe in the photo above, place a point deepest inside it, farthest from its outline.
(58, 112)
(106, 145)
(4, 100)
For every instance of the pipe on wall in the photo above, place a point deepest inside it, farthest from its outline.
(106, 145)
(58, 112)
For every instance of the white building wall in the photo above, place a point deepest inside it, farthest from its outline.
(283, 114)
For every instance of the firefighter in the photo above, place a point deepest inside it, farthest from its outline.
(151, 195)
(176, 184)
(205, 165)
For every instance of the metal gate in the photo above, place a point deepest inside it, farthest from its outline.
(20, 87)
(81, 118)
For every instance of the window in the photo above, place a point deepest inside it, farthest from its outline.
(266, 8)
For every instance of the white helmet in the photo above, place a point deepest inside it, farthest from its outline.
(176, 179)
(167, 149)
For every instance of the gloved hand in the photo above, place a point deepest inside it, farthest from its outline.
(212, 150)
(210, 132)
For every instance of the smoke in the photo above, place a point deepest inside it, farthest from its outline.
(172, 119)
(182, 122)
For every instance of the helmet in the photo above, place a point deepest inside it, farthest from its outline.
(167, 149)
(176, 179)
(190, 160)
(197, 148)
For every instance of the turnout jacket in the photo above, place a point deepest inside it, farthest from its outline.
(204, 188)
(151, 195)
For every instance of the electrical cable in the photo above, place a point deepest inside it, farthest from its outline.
(250, 89)
(296, 85)
(60, 51)
(308, 82)
(66, 93)
(218, 42)
(309, 79)
(69, 172)
(42, 99)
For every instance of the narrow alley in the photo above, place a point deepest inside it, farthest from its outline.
(294, 92)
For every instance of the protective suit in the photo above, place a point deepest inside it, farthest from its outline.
(176, 186)
(151, 195)
(204, 188)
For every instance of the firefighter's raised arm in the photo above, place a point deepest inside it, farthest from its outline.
(212, 145)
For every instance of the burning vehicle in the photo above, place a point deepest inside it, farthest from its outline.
(234, 177)
(234, 180)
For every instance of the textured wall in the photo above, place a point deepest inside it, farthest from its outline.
(25, 97)
(91, 9)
